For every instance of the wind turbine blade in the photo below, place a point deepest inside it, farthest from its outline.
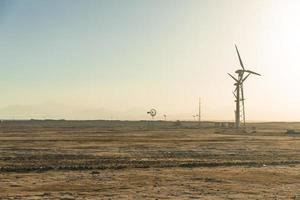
(233, 77)
(245, 78)
(241, 62)
(252, 72)
(234, 94)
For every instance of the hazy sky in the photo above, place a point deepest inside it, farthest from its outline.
(116, 59)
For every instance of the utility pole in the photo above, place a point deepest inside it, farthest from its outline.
(199, 114)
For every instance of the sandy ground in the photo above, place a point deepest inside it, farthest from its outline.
(73, 160)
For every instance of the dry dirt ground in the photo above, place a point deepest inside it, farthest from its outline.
(138, 160)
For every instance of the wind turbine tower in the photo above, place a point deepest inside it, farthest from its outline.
(242, 75)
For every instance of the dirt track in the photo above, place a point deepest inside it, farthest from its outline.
(76, 160)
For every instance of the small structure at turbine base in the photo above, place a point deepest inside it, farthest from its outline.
(224, 124)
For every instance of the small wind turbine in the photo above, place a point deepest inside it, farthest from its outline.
(239, 91)
(152, 112)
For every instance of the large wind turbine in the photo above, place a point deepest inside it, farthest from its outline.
(238, 93)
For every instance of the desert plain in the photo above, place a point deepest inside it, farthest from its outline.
(58, 159)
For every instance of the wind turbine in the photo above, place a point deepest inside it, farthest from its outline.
(239, 91)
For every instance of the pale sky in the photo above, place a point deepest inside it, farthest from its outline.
(116, 59)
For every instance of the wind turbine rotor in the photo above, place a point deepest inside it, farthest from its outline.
(152, 112)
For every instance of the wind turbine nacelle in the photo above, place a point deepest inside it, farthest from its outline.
(239, 71)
